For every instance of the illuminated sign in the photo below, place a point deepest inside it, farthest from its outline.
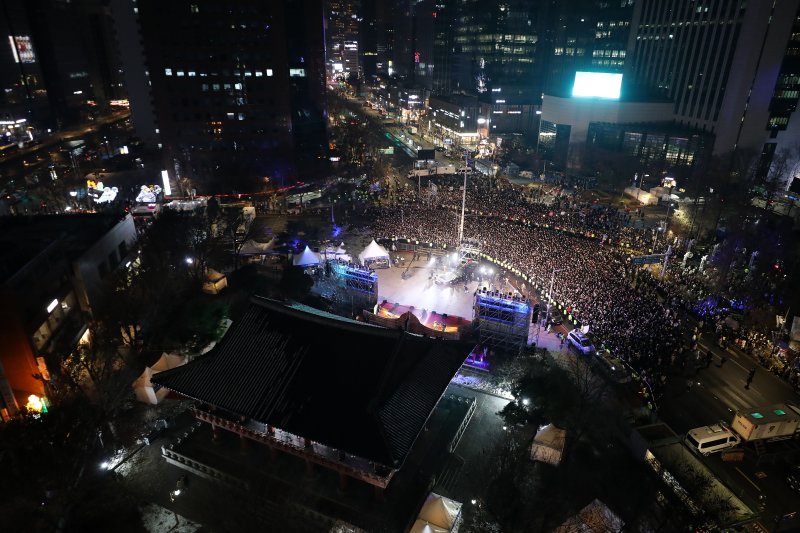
(109, 195)
(597, 85)
(148, 194)
(22, 50)
(165, 180)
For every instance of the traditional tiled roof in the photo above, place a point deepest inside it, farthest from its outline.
(364, 390)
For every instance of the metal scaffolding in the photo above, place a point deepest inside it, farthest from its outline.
(357, 286)
(502, 320)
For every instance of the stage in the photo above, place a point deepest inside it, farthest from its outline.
(424, 293)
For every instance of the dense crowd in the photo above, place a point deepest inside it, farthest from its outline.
(596, 282)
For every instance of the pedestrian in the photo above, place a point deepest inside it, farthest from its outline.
(561, 347)
(750, 376)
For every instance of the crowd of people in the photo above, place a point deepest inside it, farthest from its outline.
(585, 247)
(595, 282)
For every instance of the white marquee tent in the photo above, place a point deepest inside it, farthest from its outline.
(307, 258)
(214, 282)
(548, 445)
(421, 526)
(252, 247)
(438, 515)
(372, 252)
(596, 517)
(336, 253)
(143, 387)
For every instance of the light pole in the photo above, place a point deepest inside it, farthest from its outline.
(550, 290)
(463, 200)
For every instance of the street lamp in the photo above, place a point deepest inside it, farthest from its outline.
(550, 291)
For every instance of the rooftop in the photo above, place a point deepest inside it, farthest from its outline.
(358, 388)
(22, 238)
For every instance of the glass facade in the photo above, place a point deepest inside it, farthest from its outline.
(657, 144)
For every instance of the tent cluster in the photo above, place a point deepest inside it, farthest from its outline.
(308, 257)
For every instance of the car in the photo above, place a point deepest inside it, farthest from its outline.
(556, 319)
(793, 478)
(711, 439)
(580, 342)
(612, 367)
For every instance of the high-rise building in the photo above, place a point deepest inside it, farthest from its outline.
(726, 65)
(342, 36)
(60, 66)
(395, 38)
(582, 35)
(233, 90)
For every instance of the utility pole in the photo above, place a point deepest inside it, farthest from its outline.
(666, 261)
(550, 290)
(463, 199)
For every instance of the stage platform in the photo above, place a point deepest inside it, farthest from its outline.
(430, 319)
(423, 293)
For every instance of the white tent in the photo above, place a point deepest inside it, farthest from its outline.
(336, 253)
(143, 387)
(441, 512)
(594, 518)
(307, 258)
(214, 282)
(548, 445)
(421, 526)
(252, 247)
(373, 251)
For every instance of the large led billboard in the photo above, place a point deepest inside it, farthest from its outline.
(597, 85)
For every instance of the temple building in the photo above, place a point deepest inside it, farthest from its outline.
(340, 394)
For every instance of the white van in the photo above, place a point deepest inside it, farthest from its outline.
(580, 342)
(711, 439)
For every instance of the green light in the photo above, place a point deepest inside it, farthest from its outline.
(779, 412)
(756, 415)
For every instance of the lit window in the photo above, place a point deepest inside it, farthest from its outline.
(205, 87)
(192, 74)
(179, 73)
(194, 9)
(241, 116)
(215, 86)
(230, 115)
(247, 73)
(168, 72)
(237, 86)
(158, 130)
(269, 72)
(259, 74)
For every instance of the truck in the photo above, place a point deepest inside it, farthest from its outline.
(767, 423)
(440, 170)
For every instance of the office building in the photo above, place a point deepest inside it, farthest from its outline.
(342, 37)
(234, 91)
(719, 63)
(60, 68)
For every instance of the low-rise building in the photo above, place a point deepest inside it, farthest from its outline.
(52, 270)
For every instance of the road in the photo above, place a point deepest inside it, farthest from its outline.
(718, 392)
